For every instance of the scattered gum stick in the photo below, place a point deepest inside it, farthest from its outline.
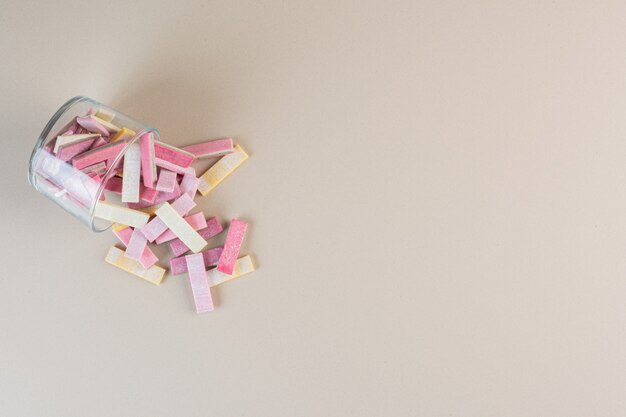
(222, 168)
(211, 257)
(243, 266)
(119, 214)
(105, 115)
(114, 184)
(156, 227)
(67, 139)
(213, 228)
(125, 134)
(162, 163)
(199, 283)
(132, 171)
(92, 125)
(196, 221)
(180, 227)
(110, 127)
(124, 233)
(99, 168)
(183, 205)
(166, 182)
(102, 153)
(99, 142)
(116, 257)
(164, 196)
(147, 195)
(211, 148)
(136, 245)
(189, 184)
(232, 246)
(148, 167)
(172, 154)
(69, 151)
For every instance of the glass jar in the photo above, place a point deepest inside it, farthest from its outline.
(53, 170)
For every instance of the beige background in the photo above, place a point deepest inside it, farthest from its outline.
(436, 193)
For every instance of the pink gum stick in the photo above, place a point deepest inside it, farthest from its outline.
(148, 258)
(199, 283)
(172, 154)
(68, 129)
(114, 184)
(98, 143)
(67, 152)
(164, 196)
(211, 148)
(155, 227)
(189, 184)
(96, 178)
(213, 229)
(147, 195)
(148, 168)
(196, 221)
(92, 126)
(232, 245)
(211, 257)
(97, 155)
(173, 167)
(167, 181)
(99, 168)
(136, 245)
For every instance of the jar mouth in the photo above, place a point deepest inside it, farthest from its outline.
(111, 171)
(44, 134)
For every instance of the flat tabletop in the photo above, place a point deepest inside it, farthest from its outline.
(435, 196)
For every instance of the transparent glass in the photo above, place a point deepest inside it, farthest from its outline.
(78, 191)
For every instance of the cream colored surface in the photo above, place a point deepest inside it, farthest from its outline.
(436, 193)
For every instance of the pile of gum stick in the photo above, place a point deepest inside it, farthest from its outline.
(150, 197)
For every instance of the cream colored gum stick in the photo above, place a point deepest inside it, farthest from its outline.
(67, 139)
(105, 115)
(124, 134)
(132, 170)
(107, 125)
(222, 168)
(180, 227)
(243, 266)
(123, 215)
(116, 257)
